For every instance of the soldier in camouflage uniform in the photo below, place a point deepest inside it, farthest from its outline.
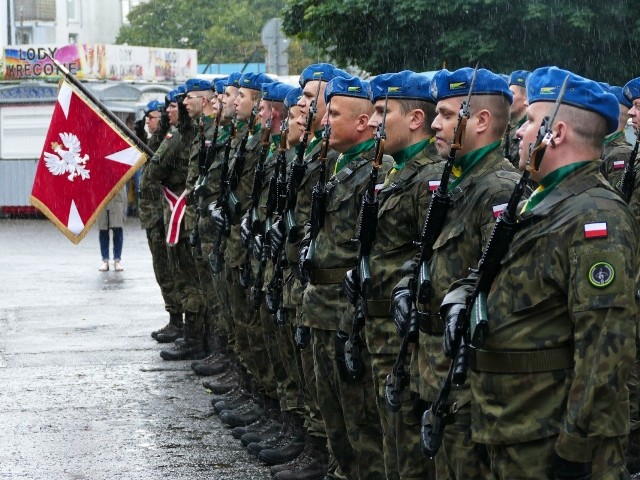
(616, 151)
(549, 385)
(404, 101)
(348, 408)
(518, 87)
(168, 168)
(482, 185)
(151, 219)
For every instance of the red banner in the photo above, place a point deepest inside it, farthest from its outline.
(86, 159)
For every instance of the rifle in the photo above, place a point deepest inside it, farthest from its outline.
(273, 297)
(234, 204)
(352, 367)
(420, 285)
(318, 201)
(206, 154)
(628, 182)
(254, 215)
(216, 257)
(298, 170)
(474, 329)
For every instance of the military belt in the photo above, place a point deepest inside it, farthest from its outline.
(525, 361)
(379, 308)
(327, 276)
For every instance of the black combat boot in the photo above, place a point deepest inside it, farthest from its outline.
(290, 450)
(267, 429)
(312, 465)
(245, 415)
(278, 439)
(171, 331)
(193, 346)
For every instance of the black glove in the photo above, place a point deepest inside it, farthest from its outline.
(276, 238)
(219, 223)
(401, 309)
(245, 232)
(561, 469)
(453, 329)
(258, 246)
(163, 123)
(351, 285)
(140, 132)
(303, 275)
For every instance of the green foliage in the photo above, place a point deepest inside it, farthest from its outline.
(600, 41)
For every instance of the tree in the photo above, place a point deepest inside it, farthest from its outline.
(503, 35)
(221, 31)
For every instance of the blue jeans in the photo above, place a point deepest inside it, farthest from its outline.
(118, 237)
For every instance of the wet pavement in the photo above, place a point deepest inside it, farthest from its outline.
(83, 391)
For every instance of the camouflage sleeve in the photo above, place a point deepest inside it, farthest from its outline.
(602, 264)
(160, 164)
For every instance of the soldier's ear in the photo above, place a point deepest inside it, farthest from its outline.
(362, 122)
(417, 119)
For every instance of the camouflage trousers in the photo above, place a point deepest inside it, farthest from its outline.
(349, 412)
(292, 391)
(271, 370)
(162, 268)
(201, 253)
(188, 286)
(531, 459)
(238, 312)
(460, 457)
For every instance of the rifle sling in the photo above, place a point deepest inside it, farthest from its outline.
(328, 276)
(525, 361)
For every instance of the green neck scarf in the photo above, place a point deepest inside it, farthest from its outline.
(612, 137)
(353, 153)
(401, 158)
(551, 181)
(463, 165)
(317, 136)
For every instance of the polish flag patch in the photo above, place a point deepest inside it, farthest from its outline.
(498, 209)
(378, 187)
(618, 165)
(595, 230)
(433, 185)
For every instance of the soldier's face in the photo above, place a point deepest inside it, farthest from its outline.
(244, 104)
(151, 120)
(194, 103)
(519, 98)
(264, 112)
(445, 123)
(528, 133)
(228, 98)
(172, 112)
(308, 96)
(343, 115)
(295, 130)
(397, 125)
(634, 114)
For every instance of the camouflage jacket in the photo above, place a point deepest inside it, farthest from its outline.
(151, 201)
(475, 204)
(404, 201)
(568, 282)
(210, 189)
(242, 180)
(324, 303)
(615, 156)
(204, 127)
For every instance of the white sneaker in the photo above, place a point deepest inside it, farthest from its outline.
(117, 267)
(104, 267)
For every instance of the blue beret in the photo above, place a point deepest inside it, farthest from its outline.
(519, 78)
(153, 106)
(292, 97)
(632, 89)
(403, 85)
(347, 87)
(616, 92)
(446, 84)
(173, 95)
(234, 80)
(545, 83)
(275, 91)
(197, 84)
(219, 84)
(321, 71)
(254, 81)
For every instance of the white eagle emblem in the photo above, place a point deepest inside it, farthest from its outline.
(69, 160)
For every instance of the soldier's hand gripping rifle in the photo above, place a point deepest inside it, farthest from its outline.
(251, 223)
(358, 284)
(206, 154)
(420, 289)
(467, 325)
(628, 182)
(273, 297)
(318, 209)
(219, 211)
(234, 204)
(298, 170)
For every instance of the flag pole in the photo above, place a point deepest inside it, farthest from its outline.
(112, 116)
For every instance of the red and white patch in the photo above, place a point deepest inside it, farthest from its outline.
(618, 165)
(378, 187)
(595, 230)
(498, 209)
(178, 205)
(433, 185)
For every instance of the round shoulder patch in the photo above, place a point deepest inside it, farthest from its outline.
(601, 274)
